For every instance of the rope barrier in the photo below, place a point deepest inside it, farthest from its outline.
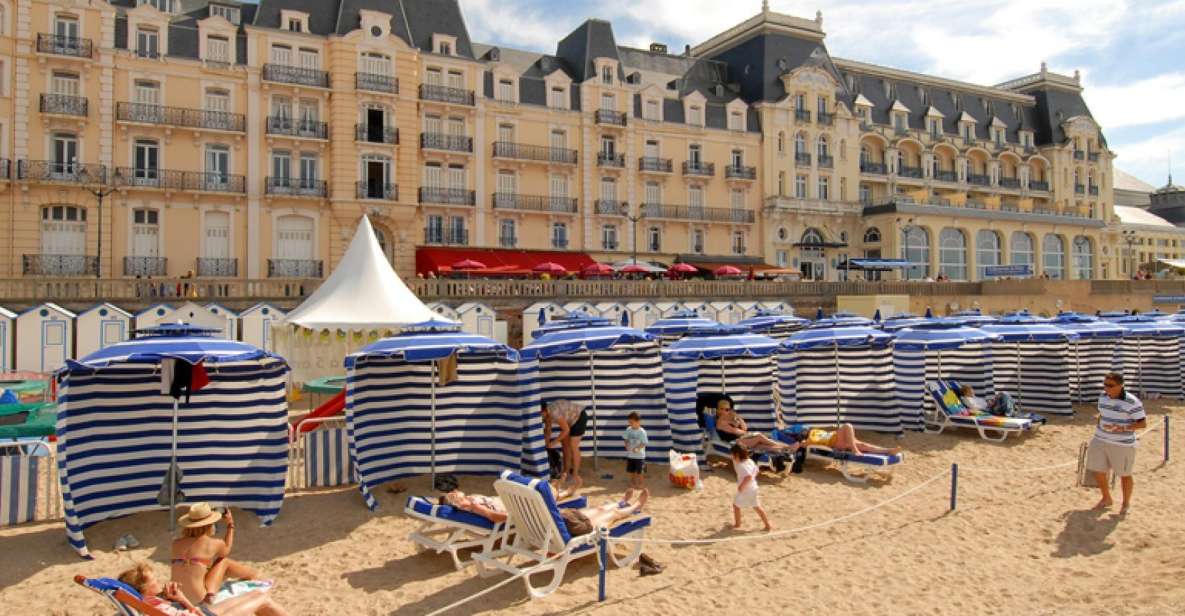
(1041, 469)
(491, 589)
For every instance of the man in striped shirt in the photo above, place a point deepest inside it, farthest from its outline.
(1113, 447)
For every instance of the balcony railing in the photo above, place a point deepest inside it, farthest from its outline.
(151, 54)
(445, 94)
(446, 236)
(700, 168)
(802, 159)
(217, 267)
(64, 104)
(979, 179)
(65, 45)
(826, 119)
(559, 242)
(215, 182)
(145, 266)
(1079, 189)
(296, 187)
(442, 141)
(293, 268)
(377, 190)
(910, 172)
(281, 73)
(613, 118)
(178, 116)
(802, 115)
(149, 177)
(740, 172)
(1039, 185)
(308, 129)
(1013, 183)
(1093, 189)
(612, 207)
(873, 168)
(376, 83)
(1009, 207)
(447, 196)
(946, 176)
(683, 212)
(370, 133)
(53, 171)
(1079, 155)
(826, 161)
(59, 265)
(975, 205)
(534, 203)
(609, 159)
(523, 151)
(655, 165)
(1092, 157)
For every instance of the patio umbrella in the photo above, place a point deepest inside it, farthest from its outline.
(550, 267)
(598, 269)
(836, 337)
(682, 268)
(727, 270)
(467, 265)
(634, 268)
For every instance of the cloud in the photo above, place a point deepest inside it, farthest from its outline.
(1147, 159)
(1148, 101)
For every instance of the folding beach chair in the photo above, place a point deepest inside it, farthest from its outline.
(127, 600)
(990, 427)
(541, 538)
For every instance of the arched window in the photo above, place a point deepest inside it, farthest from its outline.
(822, 147)
(872, 236)
(915, 248)
(952, 254)
(1053, 249)
(812, 237)
(1083, 258)
(811, 257)
(865, 155)
(800, 144)
(1022, 249)
(987, 251)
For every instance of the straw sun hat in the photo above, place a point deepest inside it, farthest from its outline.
(199, 515)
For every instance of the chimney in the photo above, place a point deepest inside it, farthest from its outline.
(658, 47)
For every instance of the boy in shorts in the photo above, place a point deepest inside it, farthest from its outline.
(635, 451)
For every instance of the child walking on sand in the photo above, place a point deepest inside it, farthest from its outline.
(635, 451)
(746, 497)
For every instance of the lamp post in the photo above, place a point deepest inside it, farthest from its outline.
(1129, 236)
(906, 230)
(100, 189)
(625, 211)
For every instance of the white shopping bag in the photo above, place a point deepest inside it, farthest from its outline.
(684, 472)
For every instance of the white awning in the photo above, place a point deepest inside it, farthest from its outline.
(1173, 263)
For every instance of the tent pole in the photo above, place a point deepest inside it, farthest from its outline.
(838, 387)
(172, 471)
(432, 430)
(592, 374)
(1078, 369)
(1019, 396)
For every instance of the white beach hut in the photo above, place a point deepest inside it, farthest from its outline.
(45, 338)
(444, 310)
(613, 312)
(642, 314)
(7, 338)
(198, 316)
(153, 316)
(748, 309)
(700, 307)
(477, 318)
(255, 323)
(231, 331)
(571, 307)
(777, 306)
(666, 309)
(728, 313)
(537, 314)
(100, 327)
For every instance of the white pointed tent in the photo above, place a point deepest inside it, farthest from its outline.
(362, 299)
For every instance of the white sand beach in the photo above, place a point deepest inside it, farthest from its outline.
(1018, 543)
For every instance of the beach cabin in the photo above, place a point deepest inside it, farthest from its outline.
(777, 306)
(642, 314)
(537, 314)
(702, 308)
(613, 312)
(199, 316)
(727, 313)
(44, 337)
(477, 318)
(585, 307)
(748, 309)
(100, 327)
(153, 316)
(255, 323)
(445, 311)
(666, 309)
(7, 338)
(231, 331)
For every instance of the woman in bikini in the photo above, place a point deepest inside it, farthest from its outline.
(732, 429)
(200, 562)
(843, 438)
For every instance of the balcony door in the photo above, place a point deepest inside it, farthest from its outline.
(63, 233)
(217, 167)
(377, 172)
(294, 238)
(376, 121)
(145, 233)
(65, 155)
(66, 28)
(216, 236)
(146, 163)
(64, 84)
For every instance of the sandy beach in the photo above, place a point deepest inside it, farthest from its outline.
(1019, 542)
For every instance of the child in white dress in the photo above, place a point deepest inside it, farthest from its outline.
(746, 496)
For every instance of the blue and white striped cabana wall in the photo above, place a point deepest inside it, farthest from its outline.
(486, 422)
(1090, 360)
(629, 378)
(1045, 369)
(807, 383)
(19, 484)
(747, 380)
(1152, 365)
(115, 433)
(970, 364)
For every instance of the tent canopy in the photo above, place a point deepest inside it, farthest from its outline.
(940, 338)
(176, 341)
(1144, 326)
(715, 343)
(363, 292)
(837, 336)
(428, 344)
(564, 342)
(1029, 332)
(1087, 326)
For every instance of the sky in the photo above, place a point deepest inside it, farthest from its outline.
(1131, 53)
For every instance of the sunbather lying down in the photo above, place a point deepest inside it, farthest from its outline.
(489, 507)
(843, 438)
(492, 508)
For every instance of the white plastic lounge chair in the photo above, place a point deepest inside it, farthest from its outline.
(990, 427)
(541, 537)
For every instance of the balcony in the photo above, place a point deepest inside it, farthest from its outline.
(447, 196)
(1039, 186)
(1079, 189)
(826, 119)
(699, 168)
(71, 46)
(446, 236)
(281, 73)
(64, 104)
(296, 187)
(740, 172)
(177, 116)
(303, 129)
(1092, 157)
(507, 241)
(975, 205)
(610, 117)
(609, 159)
(1010, 183)
(381, 191)
(214, 182)
(522, 151)
(445, 94)
(534, 203)
(169, 179)
(711, 214)
(900, 130)
(1079, 155)
(209, 267)
(650, 164)
(150, 54)
(372, 82)
(559, 242)
(293, 268)
(1093, 190)
(441, 141)
(826, 161)
(873, 168)
(1009, 207)
(612, 207)
(143, 267)
(979, 179)
(802, 115)
(802, 159)
(946, 176)
(373, 133)
(59, 265)
(53, 171)
(910, 172)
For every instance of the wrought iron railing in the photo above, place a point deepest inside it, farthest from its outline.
(151, 54)
(296, 187)
(559, 242)
(612, 207)
(281, 73)
(446, 94)
(802, 115)
(507, 241)
(145, 266)
(683, 212)
(826, 161)
(65, 45)
(910, 172)
(369, 133)
(442, 141)
(447, 196)
(54, 171)
(609, 159)
(1079, 189)
(1006, 182)
(740, 172)
(608, 244)
(293, 268)
(802, 159)
(979, 179)
(215, 182)
(64, 104)
(534, 203)
(377, 190)
(826, 119)
(217, 267)
(447, 236)
(523, 151)
(1092, 156)
(149, 177)
(946, 176)
(1093, 189)
(376, 83)
(1079, 155)
(692, 167)
(653, 164)
(1039, 185)
(611, 117)
(59, 265)
(873, 168)
(180, 116)
(310, 129)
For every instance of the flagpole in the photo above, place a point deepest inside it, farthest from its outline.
(592, 373)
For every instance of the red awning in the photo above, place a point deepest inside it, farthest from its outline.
(499, 262)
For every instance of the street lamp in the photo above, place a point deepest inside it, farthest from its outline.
(100, 189)
(625, 211)
(1129, 236)
(906, 230)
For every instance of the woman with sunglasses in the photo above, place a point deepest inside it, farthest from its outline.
(1113, 447)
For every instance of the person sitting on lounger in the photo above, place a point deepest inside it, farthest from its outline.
(493, 509)
(844, 438)
(1000, 404)
(168, 598)
(732, 429)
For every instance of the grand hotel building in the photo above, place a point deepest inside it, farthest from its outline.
(244, 140)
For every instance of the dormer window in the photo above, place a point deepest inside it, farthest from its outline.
(444, 44)
(899, 121)
(446, 49)
(607, 75)
(558, 99)
(164, 6)
(505, 91)
(695, 116)
(229, 13)
(651, 111)
(295, 25)
(935, 127)
(147, 42)
(218, 49)
(736, 121)
(968, 131)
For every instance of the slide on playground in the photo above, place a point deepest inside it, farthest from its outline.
(332, 407)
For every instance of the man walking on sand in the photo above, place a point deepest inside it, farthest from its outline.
(1113, 447)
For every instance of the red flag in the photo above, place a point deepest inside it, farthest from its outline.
(199, 378)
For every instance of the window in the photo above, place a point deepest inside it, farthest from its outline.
(164, 6)
(608, 190)
(507, 234)
(987, 251)
(872, 236)
(822, 104)
(695, 116)
(738, 242)
(282, 166)
(507, 182)
(737, 159)
(935, 128)
(1053, 249)
(608, 102)
(651, 150)
(375, 64)
(559, 141)
(952, 254)
(865, 194)
(782, 258)
(147, 93)
(800, 145)
(434, 229)
(822, 148)
(695, 198)
(607, 75)
(295, 25)
(294, 238)
(608, 147)
(559, 187)
(64, 84)
(445, 48)
(559, 235)
(737, 199)
(217, 100)
(456, 231)
(147, 42)
(800, 102)
(694, 155)
(506, 133)
(282, 55)
(824, 189)
(653, 193)
(434, 77)
(145, 234)
(505, 90)
(63, 232)
(559, 99)
(456, 126)
(654, 239)
(217, 165)
(217, 238)
(229, 13)
(218, 49)
(308, 169)
(145, 162)
(456, 79)
(915, 248)
(800, 187)
(697, 241)
(736, 121)
(651, 110)
(310, 59)
(609, 237)
(1022, 249)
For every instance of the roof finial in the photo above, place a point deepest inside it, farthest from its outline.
(1044, 68)
(819, 18)
(764, 6)
(1077, 76)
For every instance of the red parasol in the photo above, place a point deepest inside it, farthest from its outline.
(634, 268)
(550, 267)
(727, 270)
(468, 264)
(683, 268)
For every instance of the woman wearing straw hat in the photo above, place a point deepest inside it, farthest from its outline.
(199, 561)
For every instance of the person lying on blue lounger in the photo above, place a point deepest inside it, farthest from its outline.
(493, 509)
(843, 438)
(1000, 404)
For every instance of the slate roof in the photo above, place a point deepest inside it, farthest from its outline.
(183, 26)
(590, 40)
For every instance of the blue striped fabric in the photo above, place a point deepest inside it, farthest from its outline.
(1152, 364)
(114, 440)
(863, 393)
(680, 376)
(486, 422)
(628, 378)
(970, 364)
(749, 381)
(327, 460)
(1090, 360)
(18, 489)
(1044, 374)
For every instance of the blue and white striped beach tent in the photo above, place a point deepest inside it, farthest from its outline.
(115, 429)
(674, 327)
(1150, 355)
(935, 351)
(1092, 355)
(1031, 362)
(775, 325)
(719, 359)
(1113, 315)
(840, 319)
(402, 422)
(610, 371)
(900, 321)
(972, 318)
(538, 314)
(572, 320)
(832, 375)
